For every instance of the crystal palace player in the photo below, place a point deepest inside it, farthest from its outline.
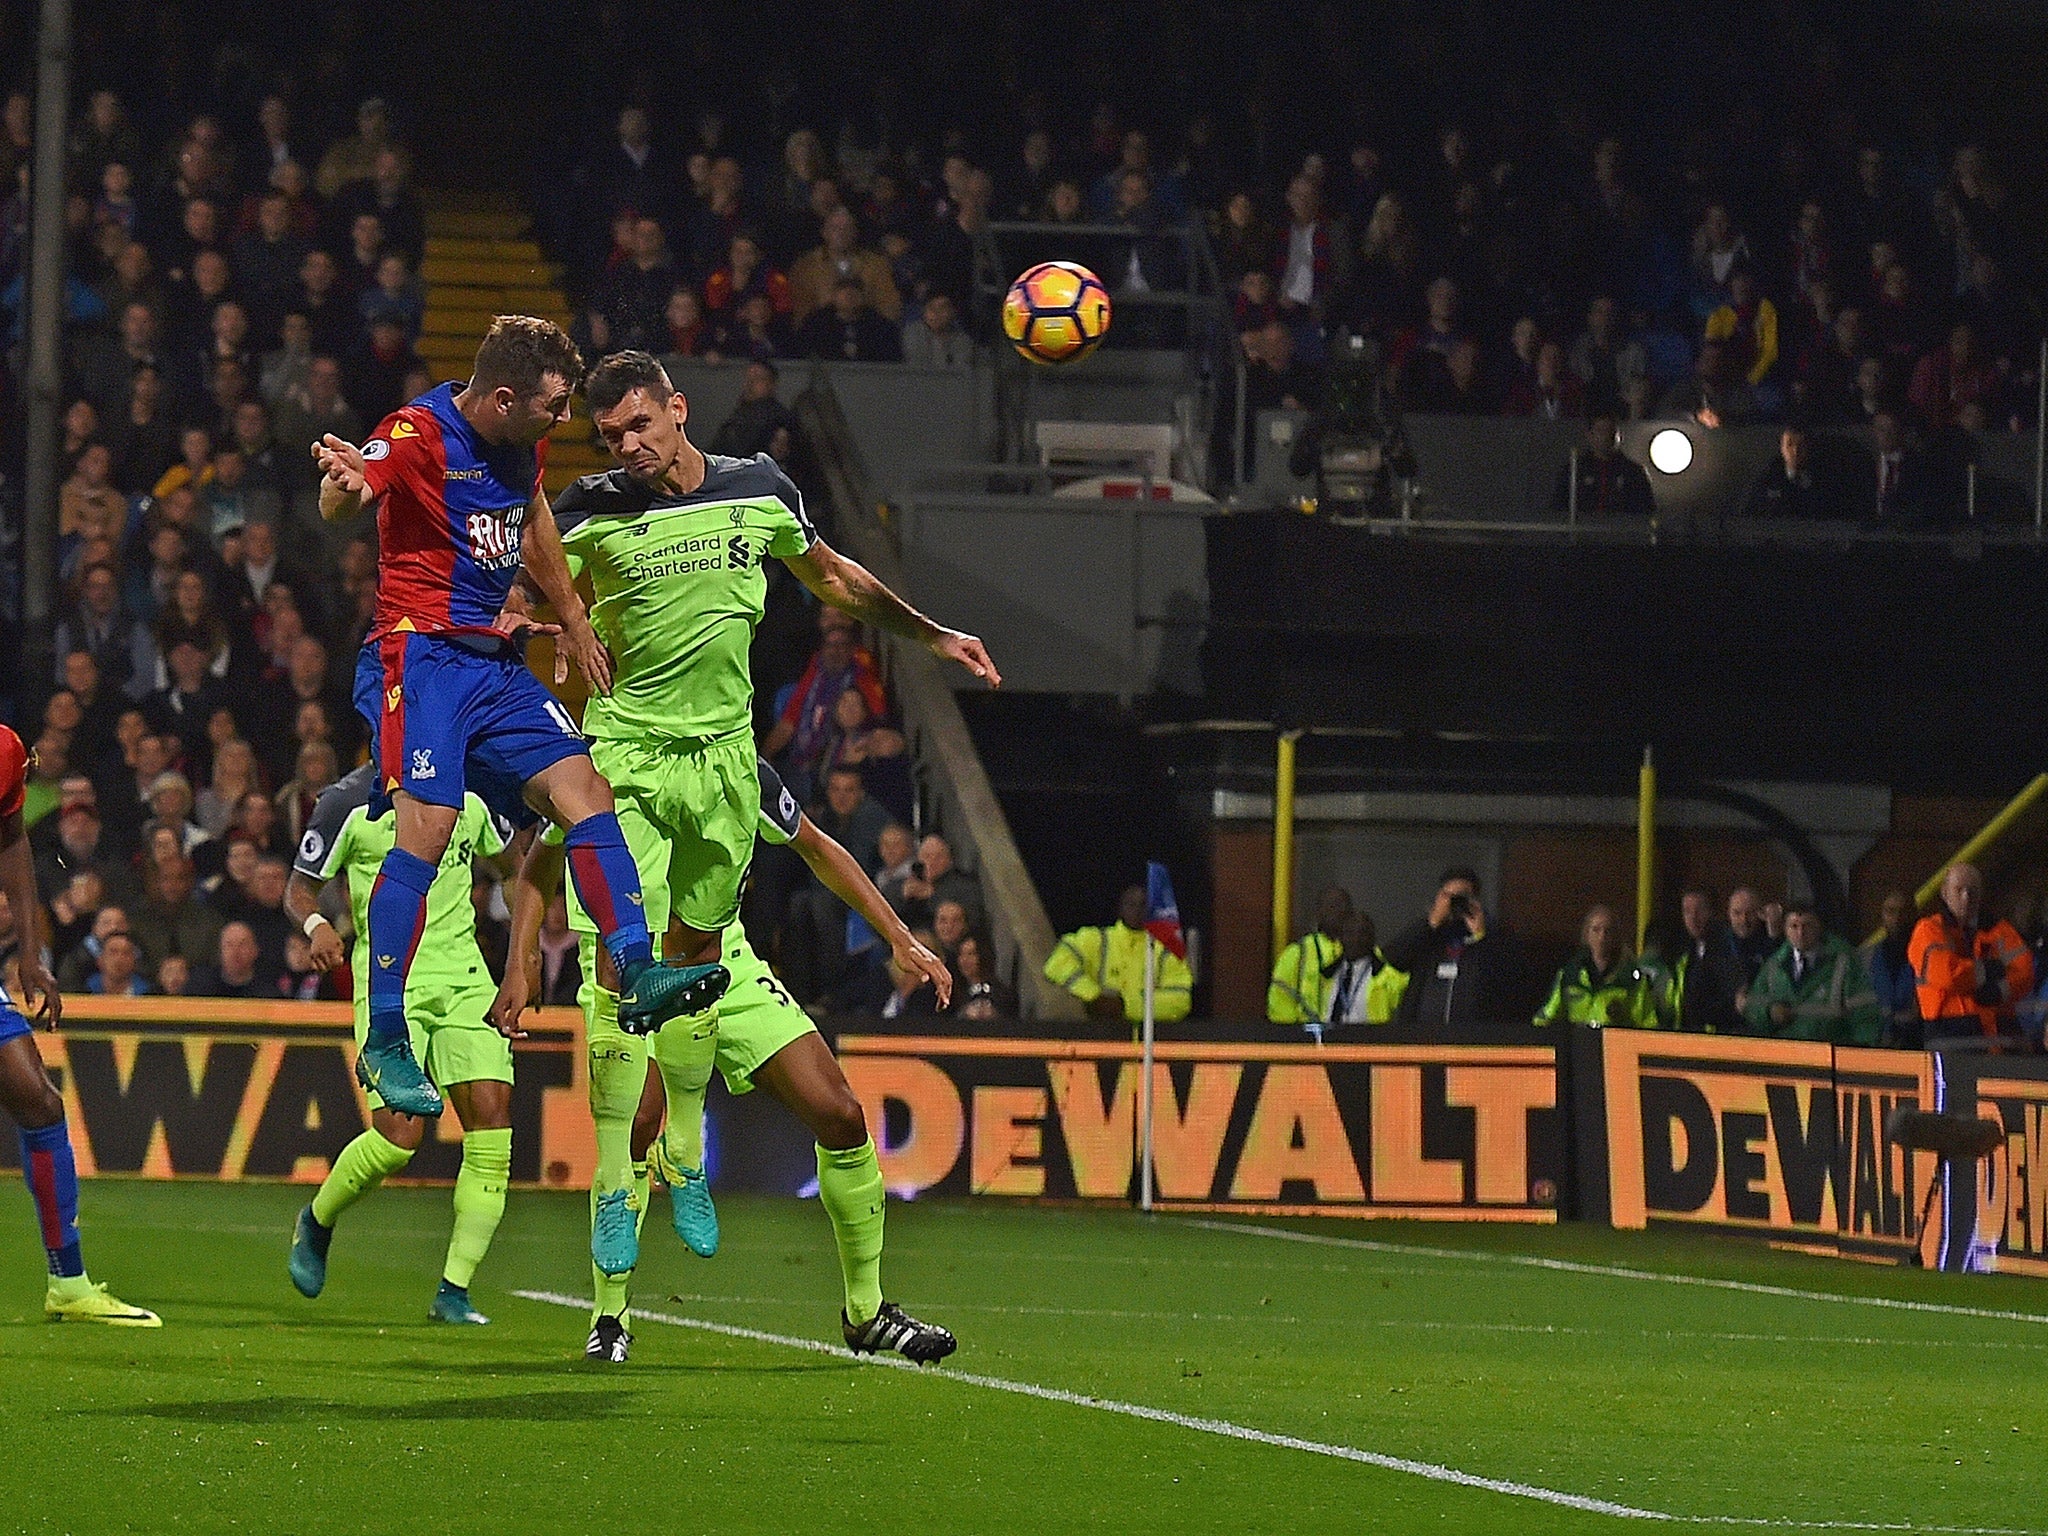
(26, 1092)
(443, 686)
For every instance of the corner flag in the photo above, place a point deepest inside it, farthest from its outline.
(1162, 914)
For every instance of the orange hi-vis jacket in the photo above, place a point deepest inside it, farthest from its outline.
(1944, 958)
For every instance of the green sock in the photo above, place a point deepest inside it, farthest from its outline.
(479, 1201)
(684, 1051)
(850, 1189)
(618, 1072)
(613, 1291)
(364, 1163)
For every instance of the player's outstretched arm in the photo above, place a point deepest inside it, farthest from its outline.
(540, 875)
(850, 586)
(302, 906)
(844, 878)
(344, 478)
(18, 879)
(541, 550)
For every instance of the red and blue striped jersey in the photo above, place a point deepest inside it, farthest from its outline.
(451, 512)
(13, 772)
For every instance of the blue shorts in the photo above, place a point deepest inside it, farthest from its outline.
(445, 718)
(11, 1021)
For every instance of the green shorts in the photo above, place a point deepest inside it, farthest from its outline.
(756, 1018)
(689, 813)
(452, 1035)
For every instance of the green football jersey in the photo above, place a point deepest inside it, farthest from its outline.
(679, 583)
(343, 838)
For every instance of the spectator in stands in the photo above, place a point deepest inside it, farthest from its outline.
(376, 383)
(237, 969)
(167, 921)
(170, 808)
(753, 332)
(1813, 987)
(1314, 270)
(174, 976)
(304, 417)
(759, 415)
(1795, 483)
(932, 882)
(234, 776)
(1746, 326)
(746, 272)
(1901, 483)
(295, 800)
(1552, 392)
(115, 974)
(283, 370)
(1466, 972)
(848, 330)
(803, 728)
(1600, 985)
(387, 194)
(1450, 384)
(1952, 378)
(266, 263)
(1610, 484)
(1828, 384)
(1276, 378)
(689, 333)
(182, 707)
(1245, 239)
(1105, 968)
(630, 306)
(354, 158)
(978, 993)
(1891, 972)
(1970, 972)
(97, 625)
(1299, 990)
(323, 300)
(816, 279)
(396, 295)
(1718, 248)
(934, 338)
(874, 749)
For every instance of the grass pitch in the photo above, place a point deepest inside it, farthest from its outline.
(1114, 1373)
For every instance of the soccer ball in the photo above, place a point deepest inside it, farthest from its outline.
(1057, 311)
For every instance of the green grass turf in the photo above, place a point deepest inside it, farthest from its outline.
(254, 1410)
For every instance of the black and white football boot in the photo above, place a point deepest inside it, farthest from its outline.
(609, 1342)
(892, 1328)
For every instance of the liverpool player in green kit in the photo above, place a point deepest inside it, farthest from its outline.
(448, 999)
(674, 544)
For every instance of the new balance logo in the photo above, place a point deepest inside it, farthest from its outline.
(422, 763)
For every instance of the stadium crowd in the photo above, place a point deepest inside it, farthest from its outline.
(1506, 259)
(1753, 966)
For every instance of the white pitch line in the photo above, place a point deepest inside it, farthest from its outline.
(1429, 1470)
(1611, 1271)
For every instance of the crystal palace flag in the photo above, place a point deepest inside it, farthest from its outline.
(1162, 915)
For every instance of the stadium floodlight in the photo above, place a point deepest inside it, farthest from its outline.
(1671, 451)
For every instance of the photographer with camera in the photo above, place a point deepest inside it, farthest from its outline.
(1465, 972)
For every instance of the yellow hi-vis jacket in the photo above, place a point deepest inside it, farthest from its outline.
(1091, 961)
(1300, 989)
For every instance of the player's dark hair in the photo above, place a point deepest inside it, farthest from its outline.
(519, 351)
(622, 373)
(1460, 872)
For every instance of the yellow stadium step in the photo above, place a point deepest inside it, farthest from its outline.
(484, 248)
(490, 271)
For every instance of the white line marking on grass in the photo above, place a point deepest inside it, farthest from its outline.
(1429, 1470)
(1611, 1271)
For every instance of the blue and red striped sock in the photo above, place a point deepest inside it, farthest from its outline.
(53, 1179)
(398, 914)
(608, 885)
